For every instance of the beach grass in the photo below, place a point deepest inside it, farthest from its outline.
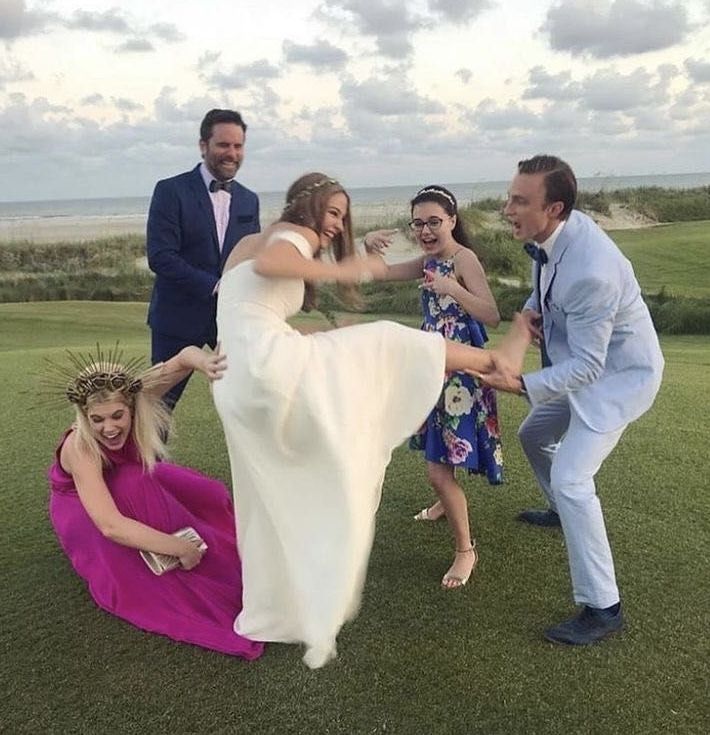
(416, 659)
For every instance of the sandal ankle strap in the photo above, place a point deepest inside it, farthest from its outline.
(472, 547)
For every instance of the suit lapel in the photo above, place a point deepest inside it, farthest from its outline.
(235, 230)
(558, 251)
(205, 205)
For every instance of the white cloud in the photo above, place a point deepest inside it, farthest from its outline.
(459, 11)
(419, 93)
(618, 28)
(391, 96)
(113, 20)
(698, 70)
(242, 75)
(16, 20)
(390, 22)
(320, 56)
(490, 116)
(12, 70)
(135, 45)
(608, 90)
(550, 86)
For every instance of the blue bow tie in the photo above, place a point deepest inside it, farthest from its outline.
(535, 252)
(217, 185)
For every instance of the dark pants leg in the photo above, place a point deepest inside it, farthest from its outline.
(163, 347)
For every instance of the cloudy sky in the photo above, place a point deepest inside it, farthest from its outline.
(104, 98)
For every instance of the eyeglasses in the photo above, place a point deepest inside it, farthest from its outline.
(433, 223)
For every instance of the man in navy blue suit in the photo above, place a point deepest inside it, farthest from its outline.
(194, 222)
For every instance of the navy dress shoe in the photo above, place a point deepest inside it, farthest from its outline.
(591, 625)
(546, 518)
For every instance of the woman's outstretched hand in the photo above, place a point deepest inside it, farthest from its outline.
(377, 241)
(211, 364)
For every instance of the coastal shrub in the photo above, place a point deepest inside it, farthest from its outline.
(398, 223)
(489, 204)
(679, 314)
(595, 201)
(667, 205)
(473, 218)
(88, 286)
(116, 253)
(500, 254)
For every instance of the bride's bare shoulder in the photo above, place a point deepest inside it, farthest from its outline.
(306, 232)
(250, 245)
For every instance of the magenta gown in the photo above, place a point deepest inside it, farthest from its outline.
(196, 606)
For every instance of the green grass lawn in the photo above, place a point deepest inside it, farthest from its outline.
(417, 659)
(675, 257)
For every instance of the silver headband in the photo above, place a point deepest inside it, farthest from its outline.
(440, 192)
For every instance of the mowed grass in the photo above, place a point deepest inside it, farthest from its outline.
(416, 659)
(674, 257)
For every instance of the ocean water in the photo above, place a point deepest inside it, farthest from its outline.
(371, 205)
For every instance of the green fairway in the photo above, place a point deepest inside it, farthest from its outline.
(674, 257)
(417, 660)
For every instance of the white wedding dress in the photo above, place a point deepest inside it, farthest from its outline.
(310, 423)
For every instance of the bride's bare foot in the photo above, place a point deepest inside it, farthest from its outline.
(432, 513)
(465, 561)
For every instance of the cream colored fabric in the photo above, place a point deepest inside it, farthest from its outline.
(310, 423)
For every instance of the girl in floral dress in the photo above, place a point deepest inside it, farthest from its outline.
(462, 430)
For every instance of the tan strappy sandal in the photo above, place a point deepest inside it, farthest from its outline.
(457, 580)
(425, 515)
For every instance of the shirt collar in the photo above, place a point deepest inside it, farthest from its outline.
(548, 244)
(206, 175)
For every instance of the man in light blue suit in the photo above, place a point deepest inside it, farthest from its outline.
(602, 368)
(194, 222)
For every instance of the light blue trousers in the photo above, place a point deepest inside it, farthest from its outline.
(565, 455)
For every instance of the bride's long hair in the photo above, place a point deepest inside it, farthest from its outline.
(306, 204)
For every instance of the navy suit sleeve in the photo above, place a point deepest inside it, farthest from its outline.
(165, 242)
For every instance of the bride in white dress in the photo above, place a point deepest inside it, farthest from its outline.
(311, 420)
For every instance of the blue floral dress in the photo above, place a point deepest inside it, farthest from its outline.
(462, 430)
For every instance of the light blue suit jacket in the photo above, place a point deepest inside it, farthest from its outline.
(598, 331)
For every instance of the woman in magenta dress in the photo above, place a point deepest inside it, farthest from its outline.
(111, 497)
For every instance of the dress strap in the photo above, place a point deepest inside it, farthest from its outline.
(295, 238)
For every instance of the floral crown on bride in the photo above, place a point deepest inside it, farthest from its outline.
(308, 190)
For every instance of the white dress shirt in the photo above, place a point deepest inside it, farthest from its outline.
(221, 201)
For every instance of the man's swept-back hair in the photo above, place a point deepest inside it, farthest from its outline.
(560, 181)
(216, 116)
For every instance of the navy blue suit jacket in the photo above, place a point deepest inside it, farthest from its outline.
(183, 252)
